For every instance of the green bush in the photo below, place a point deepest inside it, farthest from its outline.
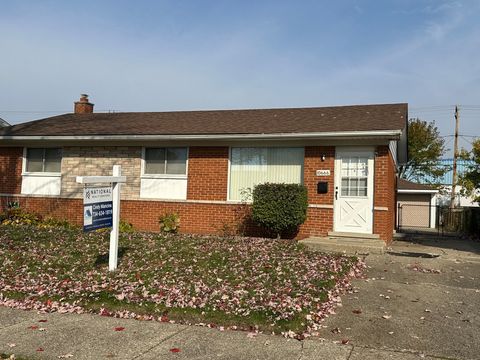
(55, 223)
(18, 216)
(14, 215)
(280, 208)
(126, 227)
(169, 223)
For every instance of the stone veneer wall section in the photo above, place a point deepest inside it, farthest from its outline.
(99, 161)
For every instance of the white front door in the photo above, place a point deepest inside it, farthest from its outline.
(354, 170)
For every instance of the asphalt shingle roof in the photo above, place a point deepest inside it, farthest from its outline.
(258, 121)
(403, 184)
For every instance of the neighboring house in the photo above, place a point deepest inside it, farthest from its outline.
(198, 163)
(3, 123)
(444, 198)
(416, 205)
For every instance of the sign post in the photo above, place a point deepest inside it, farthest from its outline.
(113, 256)
(101, 208)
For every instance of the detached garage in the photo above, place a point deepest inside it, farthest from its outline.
(416, 205)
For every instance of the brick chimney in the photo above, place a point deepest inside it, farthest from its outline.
(83, 106)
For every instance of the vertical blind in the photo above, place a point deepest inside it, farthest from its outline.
(253, 166)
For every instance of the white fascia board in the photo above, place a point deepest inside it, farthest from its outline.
(391, 134)
(405, 191)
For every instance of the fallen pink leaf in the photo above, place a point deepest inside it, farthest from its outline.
(66, 356)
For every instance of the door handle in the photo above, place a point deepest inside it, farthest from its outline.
(336, 195)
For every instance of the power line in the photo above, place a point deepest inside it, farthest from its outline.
(432, 107)
(467, 140)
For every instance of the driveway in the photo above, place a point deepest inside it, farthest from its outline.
(421, 297)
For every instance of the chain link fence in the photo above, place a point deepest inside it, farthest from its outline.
(422, 217)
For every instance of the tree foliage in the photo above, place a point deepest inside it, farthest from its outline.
(470, 180)
(425, 148)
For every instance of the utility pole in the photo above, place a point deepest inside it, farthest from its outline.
(455, 155)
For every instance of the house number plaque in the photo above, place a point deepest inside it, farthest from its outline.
(323, 172)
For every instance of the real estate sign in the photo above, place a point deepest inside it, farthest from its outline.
(97, 207)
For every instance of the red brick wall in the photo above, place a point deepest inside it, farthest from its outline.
(207, 173)
(58, 208)
(11, 170)
(319, 220)
(195, 218)
(385, 185)
(207, 181)
(313, 162)
(319, 223)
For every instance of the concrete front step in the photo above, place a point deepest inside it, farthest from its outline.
(351, 235)
(351, 246)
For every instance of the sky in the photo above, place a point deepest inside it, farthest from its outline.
(190, 55)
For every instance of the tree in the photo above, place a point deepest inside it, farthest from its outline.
(425, 149)
(470, 180)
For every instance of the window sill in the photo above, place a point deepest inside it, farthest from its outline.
(164, 176)
(239, 202)
(42, 174)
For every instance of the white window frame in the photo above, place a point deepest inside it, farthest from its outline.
(256, 146)
(40, 173)
(163, 176)
(357, 178)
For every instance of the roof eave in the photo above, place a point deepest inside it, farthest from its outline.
(417, 191)
(340, 135)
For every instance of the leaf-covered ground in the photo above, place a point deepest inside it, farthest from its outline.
(239, 283)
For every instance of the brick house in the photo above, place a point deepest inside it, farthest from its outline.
(199, 163)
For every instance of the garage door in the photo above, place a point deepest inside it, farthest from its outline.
(414, 210)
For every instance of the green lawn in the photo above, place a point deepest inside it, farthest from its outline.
(244, 283)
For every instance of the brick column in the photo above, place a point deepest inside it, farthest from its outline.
(384, 201)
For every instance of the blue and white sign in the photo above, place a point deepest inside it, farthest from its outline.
(97, 208)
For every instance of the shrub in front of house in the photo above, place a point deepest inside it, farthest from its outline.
(169, 223)
(280, 208)
(17, 216)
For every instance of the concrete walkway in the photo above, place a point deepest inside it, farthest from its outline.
(397, 313)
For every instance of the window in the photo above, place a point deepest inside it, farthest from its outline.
(253, 166)
(354, 176)
(162, 161)
(44, 160)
